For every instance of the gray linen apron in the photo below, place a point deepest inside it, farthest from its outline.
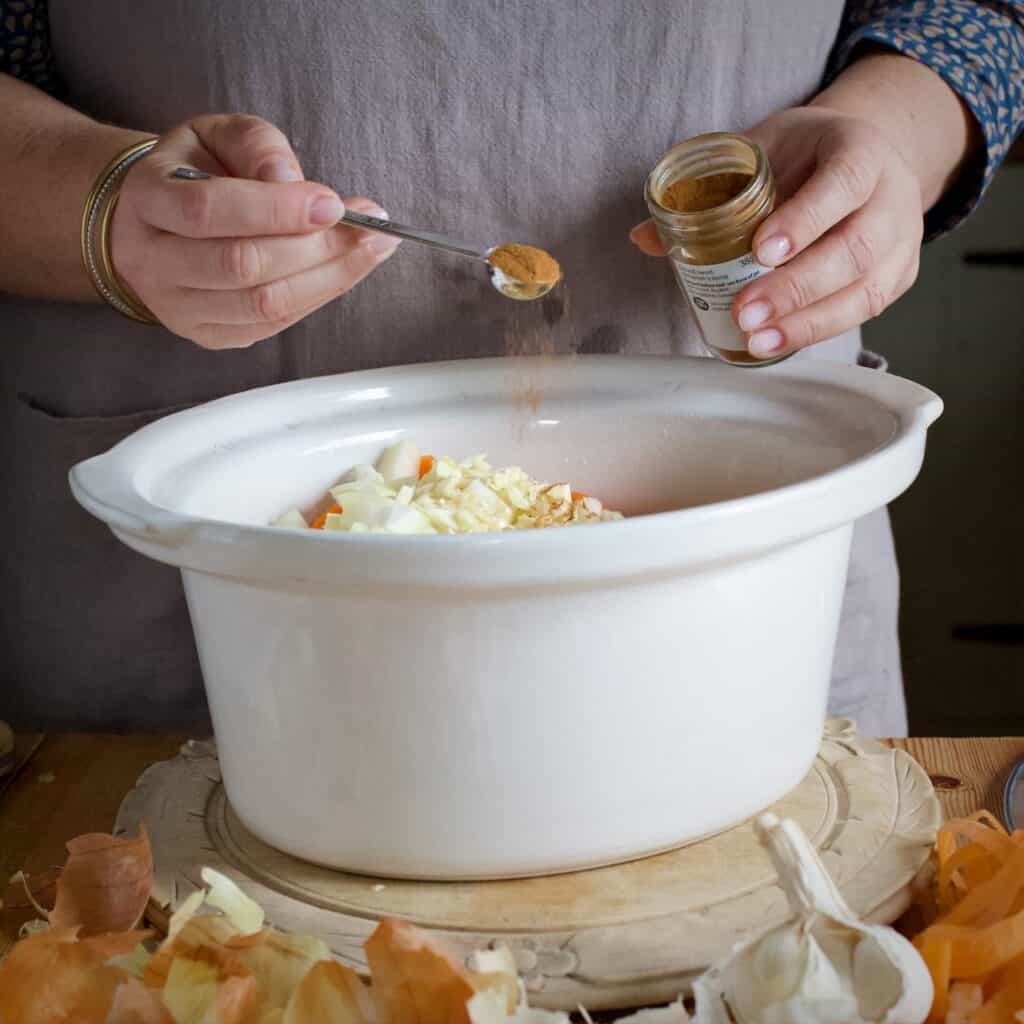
(523, 119)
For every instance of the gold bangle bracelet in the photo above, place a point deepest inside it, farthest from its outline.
(96, 218)
(139, 310)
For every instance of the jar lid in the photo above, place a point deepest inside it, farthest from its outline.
(1013, 798)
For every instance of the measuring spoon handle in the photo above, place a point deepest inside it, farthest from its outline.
(434, 240)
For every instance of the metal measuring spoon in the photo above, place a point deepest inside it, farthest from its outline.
(508, 286)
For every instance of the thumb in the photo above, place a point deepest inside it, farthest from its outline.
(645, 238)
(248, 147)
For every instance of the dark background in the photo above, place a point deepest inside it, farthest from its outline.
(960, 528)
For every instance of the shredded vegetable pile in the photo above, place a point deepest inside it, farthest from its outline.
(974, 947)
(409, 493)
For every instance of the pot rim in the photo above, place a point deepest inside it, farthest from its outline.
(114, 487)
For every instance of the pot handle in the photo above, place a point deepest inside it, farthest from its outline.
(101, 491)
(872, 360)
(926, 410)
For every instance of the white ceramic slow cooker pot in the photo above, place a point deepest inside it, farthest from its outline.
(530, 702)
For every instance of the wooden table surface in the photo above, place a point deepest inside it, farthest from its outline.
(69, 784)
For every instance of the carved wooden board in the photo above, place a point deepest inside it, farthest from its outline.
(624, 936)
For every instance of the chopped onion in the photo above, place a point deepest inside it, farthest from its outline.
(452, 497)
(399, 462)
(292, 519)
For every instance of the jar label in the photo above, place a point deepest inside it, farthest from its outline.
(711, 289)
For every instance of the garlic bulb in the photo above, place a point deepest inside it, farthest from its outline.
(823, 965)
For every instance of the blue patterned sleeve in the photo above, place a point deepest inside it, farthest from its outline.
(977, 46)
(25, 49)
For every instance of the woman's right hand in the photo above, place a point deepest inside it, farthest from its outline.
(231, 259)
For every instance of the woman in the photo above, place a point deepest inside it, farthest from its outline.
(525, 120)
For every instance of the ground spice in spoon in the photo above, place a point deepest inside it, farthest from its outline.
(526, 264)
(691, 195)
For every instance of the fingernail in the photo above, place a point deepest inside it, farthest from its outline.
(764, 343)
(326, 210)
(772, 251)
(753, 314)
(189, 174)
(381, 245)
(278, 170)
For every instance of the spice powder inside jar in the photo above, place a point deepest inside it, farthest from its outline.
(708, 196)
(691, 195)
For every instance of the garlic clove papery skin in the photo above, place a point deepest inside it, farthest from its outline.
(778, 963)
(709, 999)
(822, 965)
(894, 996)
(888, 976)
(809, 988)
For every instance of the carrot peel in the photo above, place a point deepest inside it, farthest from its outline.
(974, 950)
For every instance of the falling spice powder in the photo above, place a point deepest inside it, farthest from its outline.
(526, 264)
(693, 195)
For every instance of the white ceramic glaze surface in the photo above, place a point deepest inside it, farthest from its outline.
(521, 703)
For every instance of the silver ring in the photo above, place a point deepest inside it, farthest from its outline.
(190, 174)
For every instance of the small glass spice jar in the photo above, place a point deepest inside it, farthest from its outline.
(708, 196)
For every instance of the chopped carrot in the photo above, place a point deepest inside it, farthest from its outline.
(426, 465)
(320, 521)
(976, 943)
(578, 495)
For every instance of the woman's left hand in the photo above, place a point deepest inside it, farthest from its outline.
(845, 236)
